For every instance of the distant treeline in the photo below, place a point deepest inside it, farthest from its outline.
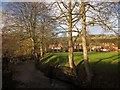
(115, 40)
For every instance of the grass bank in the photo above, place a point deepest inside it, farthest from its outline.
(103, 64)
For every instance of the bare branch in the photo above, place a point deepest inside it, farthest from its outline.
(62, 11)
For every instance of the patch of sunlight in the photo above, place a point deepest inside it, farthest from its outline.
(105, 61)
(46, 55)
(56, 60)
(114, 62)
(63, 64)
(67, 64)
(112, 59)
(51, 58)
(77, 61)
(61, 54)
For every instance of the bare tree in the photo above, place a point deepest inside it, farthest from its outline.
(104, 14)
(94, 13)
(69, 12)
(84, 41)
(27, 17)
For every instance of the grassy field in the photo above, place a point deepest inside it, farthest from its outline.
(103, 64)
(61, 58)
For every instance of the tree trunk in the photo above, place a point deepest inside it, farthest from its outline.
(70, 41)
(41, 47)
(45, 49)
(84, 42)
(34, 50)
(33, 27)
(41, 42)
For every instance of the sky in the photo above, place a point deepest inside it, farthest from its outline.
(92, 30)
(57, 0)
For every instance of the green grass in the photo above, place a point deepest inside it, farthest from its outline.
(61, 58)
(104, 64)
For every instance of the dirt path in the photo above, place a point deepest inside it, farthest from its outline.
(29, 77)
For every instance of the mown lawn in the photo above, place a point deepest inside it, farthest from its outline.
(103, 64)
(61, 58)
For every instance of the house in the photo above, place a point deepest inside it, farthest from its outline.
(77, 47)
(103, 47)
(95, 48)
(53, 47)
(60, 47)
(109, 47)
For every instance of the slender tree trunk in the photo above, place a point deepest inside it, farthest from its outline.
(45, 49)
(41, 47)
(34, 49)
(41, 42)
(84, 42)
(33, 27)
(70, 41)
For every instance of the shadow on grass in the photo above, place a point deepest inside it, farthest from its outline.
(80, 63)
(59, 60)
(106, 74)
(54, 60)
(45, 58)
(54, 69)
(107, 58)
